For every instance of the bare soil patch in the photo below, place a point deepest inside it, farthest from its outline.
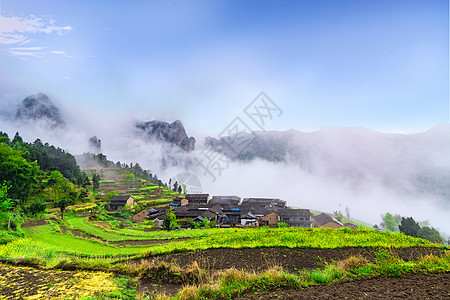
(144, 242)
(34, 223)
(407, 286)
(291, 259)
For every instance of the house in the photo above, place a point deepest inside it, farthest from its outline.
(140, 216)
(117, 202)
(199, 219)
(229, 217)
(274, 202)
(350, 225)
(209, 215)
(295, 217)
(179, 201)
(153, 213)
(326, 221)
(184, 212)
(270, 219)
(225, 200)
(158, 222)
(197, 198)
(248, 219)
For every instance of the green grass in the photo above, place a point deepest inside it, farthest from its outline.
(128, 234)
(216, 238)
(70, 244)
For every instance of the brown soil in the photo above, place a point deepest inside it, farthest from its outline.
(34, 223)
(291, 259)
(143, 242)
(408, 286)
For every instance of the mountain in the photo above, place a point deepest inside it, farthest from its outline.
(39, 108)
(411, 164)
(172, 133)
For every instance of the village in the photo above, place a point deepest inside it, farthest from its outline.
(230, 211)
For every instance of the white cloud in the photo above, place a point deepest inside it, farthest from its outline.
(27, 48)
(62, 53)
(23, 53)
(15, 30)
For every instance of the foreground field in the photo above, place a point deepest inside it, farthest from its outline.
(30, 283)
(408, 286)
(213, 263)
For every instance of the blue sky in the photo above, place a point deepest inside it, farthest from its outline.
(383, 65)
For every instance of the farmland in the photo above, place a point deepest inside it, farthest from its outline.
(280, 258)
(94, 253)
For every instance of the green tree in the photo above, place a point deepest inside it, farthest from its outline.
(409, 227)
(129, 177)
(175, 186)
(62, 204)
(18, 173)
(6, 204)
(170, 221)
(58, 186)
(96, 181)
(389, 222)
(36, 208)
(179, 189)
(338, 215)
(430, 234)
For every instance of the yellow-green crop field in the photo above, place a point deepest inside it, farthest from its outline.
(48, 243)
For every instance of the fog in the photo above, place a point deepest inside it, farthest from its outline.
(331, 169)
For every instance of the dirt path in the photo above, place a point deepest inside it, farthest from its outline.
(291, 259)
(409, 286)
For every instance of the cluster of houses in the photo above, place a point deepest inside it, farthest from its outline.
(232, 211)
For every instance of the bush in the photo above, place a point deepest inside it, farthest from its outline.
(282, 225)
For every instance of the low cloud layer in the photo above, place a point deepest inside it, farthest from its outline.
(369, 172)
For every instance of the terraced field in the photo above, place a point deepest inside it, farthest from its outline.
(144, 192)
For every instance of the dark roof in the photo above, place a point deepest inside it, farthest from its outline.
(264, 201)
(177, 200)
(350, 225)
(226, 198)
(323, 218)
(248, 215)
(216, 209)
(208, 214)
(197, 197)
(287, 212)
(223, 200)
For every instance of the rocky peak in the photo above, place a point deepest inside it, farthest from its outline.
(39, 107)
(173, 133)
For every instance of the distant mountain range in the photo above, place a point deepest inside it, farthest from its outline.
(409, 163)
(413, 164)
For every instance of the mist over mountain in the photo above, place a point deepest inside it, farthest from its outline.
(39, 108)
(409, 164)
(173, 133)
(329, 169)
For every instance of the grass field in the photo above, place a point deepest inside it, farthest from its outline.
(209, 238)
